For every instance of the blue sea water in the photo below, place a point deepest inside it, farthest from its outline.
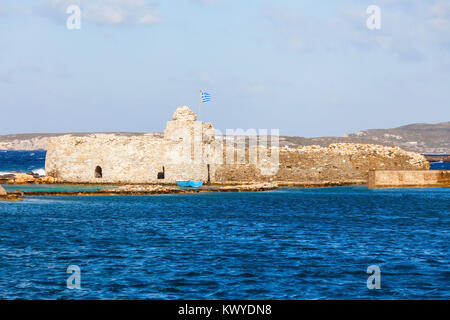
(23, 161)
(287, 244)
(440, 165)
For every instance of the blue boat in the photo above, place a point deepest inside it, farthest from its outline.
(190, 183)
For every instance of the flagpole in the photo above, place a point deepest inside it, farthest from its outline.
(199, 105)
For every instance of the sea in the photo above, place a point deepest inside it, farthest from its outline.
(22, 161)
(292, 243)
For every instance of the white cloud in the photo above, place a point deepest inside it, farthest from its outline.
(410, 30)
(107, 12)
(440, 15)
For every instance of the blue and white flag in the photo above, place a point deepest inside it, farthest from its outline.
(206, 97)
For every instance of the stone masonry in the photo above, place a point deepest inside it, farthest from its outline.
(190, 150)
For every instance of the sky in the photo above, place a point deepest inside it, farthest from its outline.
(308, 68)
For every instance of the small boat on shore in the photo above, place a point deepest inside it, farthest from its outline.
(190, 183)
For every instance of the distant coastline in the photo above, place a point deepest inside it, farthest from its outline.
(437, 157)
(428, 139)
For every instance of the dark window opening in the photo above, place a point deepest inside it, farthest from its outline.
(98, 172)
(162, 174)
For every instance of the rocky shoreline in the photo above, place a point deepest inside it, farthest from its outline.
(25, 178)
(10, 196)
(17, 178)
(140, 190)
(35, 179)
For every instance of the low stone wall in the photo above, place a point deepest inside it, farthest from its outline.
(408, 178)
(337, 164)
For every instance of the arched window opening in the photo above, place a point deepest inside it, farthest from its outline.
(98, 172)
(162, 174)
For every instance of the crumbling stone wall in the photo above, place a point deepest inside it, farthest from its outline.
(190, 151)
(336, 164)
(137, 159)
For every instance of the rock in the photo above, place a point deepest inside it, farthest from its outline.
(249, 187)
(184, 114)
(46, 180)
(9, 176)
(35, 175)
(10, 196)
(159, 189)
(24, 178)
(141, 189)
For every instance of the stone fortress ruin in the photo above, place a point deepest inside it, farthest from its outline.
(191, 150)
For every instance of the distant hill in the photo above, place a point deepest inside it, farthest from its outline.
(38, 141)
(418, 137)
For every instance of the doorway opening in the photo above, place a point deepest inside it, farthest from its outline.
(162, 174)
(98, 172)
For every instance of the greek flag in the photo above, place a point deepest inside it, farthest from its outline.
(206, 97)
